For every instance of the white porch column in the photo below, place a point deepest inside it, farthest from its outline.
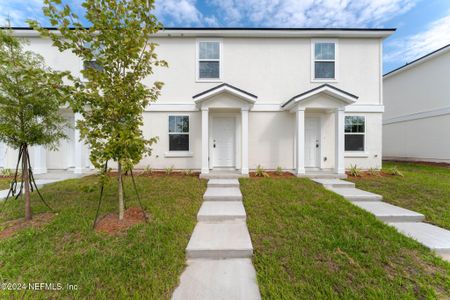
(205, 140)
(300, 132)
(40, 160)
(78, 147)
(339, 147)
(244, 145)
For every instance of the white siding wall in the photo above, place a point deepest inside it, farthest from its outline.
(274, 69)
(422, 88)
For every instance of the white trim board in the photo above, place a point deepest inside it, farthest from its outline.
(262, 107)
(417, 116)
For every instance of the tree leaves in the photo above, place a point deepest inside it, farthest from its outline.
(30, 97)
(111, 99)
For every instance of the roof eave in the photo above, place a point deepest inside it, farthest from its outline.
(251, 32)
(326, 89)
(418, 61)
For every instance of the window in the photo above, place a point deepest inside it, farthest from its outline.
(324, 66)
(178, 133)
(354, 133)
(92, 64)
(209, 60)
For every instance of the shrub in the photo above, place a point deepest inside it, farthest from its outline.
(279, 170)
(354, 171)
(394, 171)
(148, 170)
(373, 172)
(169, 170)
(260, 172)
(5, 172)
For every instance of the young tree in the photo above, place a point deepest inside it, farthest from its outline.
(30, 97)
(119, 54)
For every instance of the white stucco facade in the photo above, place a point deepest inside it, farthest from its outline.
(416, 123)
(266, 108)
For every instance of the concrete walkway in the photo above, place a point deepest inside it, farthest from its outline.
(219, 264)
(406, 221)
(47, 178)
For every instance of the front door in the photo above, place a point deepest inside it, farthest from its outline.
(312, 142)
(223, 142)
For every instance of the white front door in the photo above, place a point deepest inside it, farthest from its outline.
(223, 141)
(312, 142)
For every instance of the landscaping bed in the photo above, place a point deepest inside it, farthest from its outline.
(310, 243)
(424, 187)
(143, 261)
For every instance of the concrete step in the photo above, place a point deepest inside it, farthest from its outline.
(222, 175)
(222, 194)
(206, 279)
(223, 183)
(220, 240)
(389, 213)
(334, 183)
(221, 211)
(353, 194)
(433, 237)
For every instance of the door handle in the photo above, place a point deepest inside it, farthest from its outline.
(317, 145)
(214, 145)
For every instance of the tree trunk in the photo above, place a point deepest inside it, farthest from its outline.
(26, 182)
(121, 204)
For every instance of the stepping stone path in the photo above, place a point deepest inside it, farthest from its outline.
(219, 264)
(406, 221)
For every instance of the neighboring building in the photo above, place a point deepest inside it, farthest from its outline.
(300, 99)
(416, 122)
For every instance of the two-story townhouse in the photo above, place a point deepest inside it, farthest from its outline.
(305, 100)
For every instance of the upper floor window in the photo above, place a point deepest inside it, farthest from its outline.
(355, 131)
(208, 60)
(92, 64)
(324, 60)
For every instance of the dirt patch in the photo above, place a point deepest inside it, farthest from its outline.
(273, 174)
(111, 224)
(425, 163)
(11, 227)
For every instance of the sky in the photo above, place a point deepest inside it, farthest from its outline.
(422, 25)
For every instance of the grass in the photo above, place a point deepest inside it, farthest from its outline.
(312, 244)
(423, 188)
(146, 262)
(5, 183)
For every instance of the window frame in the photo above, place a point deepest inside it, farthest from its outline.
(181, 152)
(313, 60)
(356, 133)
(198, 60)
(82, 67)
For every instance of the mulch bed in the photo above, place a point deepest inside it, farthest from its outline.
(368, 175)
(156, 174)
(273, 174)
(13, 226)
(110, 223)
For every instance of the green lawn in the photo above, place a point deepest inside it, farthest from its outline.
(312, 244)
(5, 183)
(145, 263)
(425, 189)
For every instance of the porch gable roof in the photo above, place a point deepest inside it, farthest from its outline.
(326, 88)
(228, 88)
